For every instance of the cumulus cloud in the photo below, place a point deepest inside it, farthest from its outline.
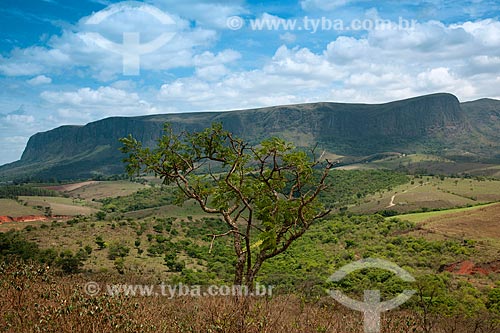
(19, 119)
(80, 47)
(288, 37)
(39, 80)
(87, 104)
(323, 4)
(189, 73)
(15, 129)
(383, 65)
(207, 13)
(291, 76)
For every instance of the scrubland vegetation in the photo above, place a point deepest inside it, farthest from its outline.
(142, 237)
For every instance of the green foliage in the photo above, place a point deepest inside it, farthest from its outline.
(119, 264)
(333, 243)
(173, 264)
(88, 249)
(494, 299)
(70, 263)
(14, 191)
(142, 199)
(273, 185)
(100, 242)
(117, 250)
(100, 215)
(346, 186)
(13, 246)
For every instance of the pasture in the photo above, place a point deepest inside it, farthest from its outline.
(10, 207)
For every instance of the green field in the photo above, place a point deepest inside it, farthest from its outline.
(143, 238)
(421, 217)
(428, 164)
(431, 193)
(105, 189)
(9, 207)
(61, 206)
(138, 224)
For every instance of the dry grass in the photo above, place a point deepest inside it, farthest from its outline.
(480, 223)
(35, 300)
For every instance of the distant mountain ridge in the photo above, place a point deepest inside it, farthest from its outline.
(437, 123)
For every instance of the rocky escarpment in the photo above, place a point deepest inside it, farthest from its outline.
(348, 129)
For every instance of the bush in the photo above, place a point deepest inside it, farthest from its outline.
(117, 250)
(69, 263)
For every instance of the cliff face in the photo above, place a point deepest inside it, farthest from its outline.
(348, 129)
(68, 141)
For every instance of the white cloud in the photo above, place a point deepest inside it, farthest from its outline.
(211, 66)
(288, 37)
(39, 80)
(89, 97)
(79, 48)
(210, 59)
(11, 148)
(19, 119)
(290, 77)
(323, 4)
(86, 104)
(384, 65)
(211, 14)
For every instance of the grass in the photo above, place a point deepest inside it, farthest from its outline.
(61, 305)
(69, 187)
(61, 206)
(10, 207)
(394, 162)
(431, 193)
(422, 217)
(486, 190)
(106, 189)
(479, 223)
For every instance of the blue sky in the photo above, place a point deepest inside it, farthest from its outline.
(57, 68)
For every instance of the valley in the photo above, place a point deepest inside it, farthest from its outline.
(429, 203)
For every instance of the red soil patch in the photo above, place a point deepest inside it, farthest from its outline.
(5, 219)
(469, 268)
(27, 218)
(31, 218)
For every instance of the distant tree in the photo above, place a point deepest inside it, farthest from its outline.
(88, 249)
(48, 211)
(266, 194)
(117, 249)
(100, 242)
(120, 265)
(100, 215)
(69, 263)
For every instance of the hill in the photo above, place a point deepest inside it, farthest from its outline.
(436, 124)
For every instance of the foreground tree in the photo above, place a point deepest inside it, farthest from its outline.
(266, 194)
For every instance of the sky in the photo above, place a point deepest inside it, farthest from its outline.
(72, 62)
